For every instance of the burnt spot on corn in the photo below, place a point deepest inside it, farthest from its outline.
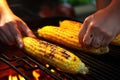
(50, 55)
(74, 59)
(44, 43)
(71, 36)
(52, 49)
(64, 54)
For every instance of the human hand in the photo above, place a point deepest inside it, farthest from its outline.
(101, 28)
(12, 30)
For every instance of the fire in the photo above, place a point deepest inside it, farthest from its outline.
(36, 74)
(52, 70)
(47, 65)
(15, 77)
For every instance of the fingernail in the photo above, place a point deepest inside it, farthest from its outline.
(21, 46)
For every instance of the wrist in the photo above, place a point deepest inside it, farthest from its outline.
(102, 4)
(4, 8)
(1, 11)
(114, 7)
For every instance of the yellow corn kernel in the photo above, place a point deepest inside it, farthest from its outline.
(54, 55)
(70, 24)
(67, 38)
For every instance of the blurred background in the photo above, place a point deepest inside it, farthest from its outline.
(32, 9)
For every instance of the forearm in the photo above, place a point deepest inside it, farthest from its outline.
(4, 8)
(102, 3)
(114, 7)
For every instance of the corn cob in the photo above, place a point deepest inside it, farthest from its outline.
(70, 24)
(67, 38)
(54, 55)
(75, 26)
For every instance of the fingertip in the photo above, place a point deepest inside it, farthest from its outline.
(20, 46)
(87, 39)
(31, 35)
(82, 32)
(20, 42)
(79, 38)
(80, 41)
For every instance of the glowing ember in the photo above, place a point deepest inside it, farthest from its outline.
(15, 77)
(47, 65)
(21, 78)
(52, 70)
(36, 74)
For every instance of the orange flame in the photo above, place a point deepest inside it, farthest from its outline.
(15, 77)
(35, 73)
(52, 70)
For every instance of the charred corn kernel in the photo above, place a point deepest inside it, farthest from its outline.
(67, 38)
(70, 24)
(52, 54)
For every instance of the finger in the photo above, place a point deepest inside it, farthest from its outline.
(9, 36)
(26, 29)
(82, 32)
(83, 29)
(105, 41)
(96, 43)
(88, 37)
(17, 35)
(3, 38)
(30, 33)
(19, 39)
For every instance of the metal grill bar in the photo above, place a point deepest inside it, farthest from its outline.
(7, 60)
(13, 67)
(45, 69)
(99, 68)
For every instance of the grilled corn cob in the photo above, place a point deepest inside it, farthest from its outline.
(54, 55)
(67, 38)
(75, 26)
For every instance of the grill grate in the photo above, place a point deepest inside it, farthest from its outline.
(27, 63)
(8, 61)
(98, 69)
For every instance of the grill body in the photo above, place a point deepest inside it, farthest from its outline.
(102, 67)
